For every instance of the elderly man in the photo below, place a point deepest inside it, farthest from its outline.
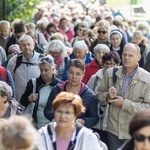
(24, 66)
(131, 94)
(4, 33)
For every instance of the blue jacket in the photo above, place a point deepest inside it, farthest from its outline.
(89, 101)
(88, 57)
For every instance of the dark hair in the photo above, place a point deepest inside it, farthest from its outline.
(111, 55)
(50, 25)
(140, 120)
(19, 27)
(78, 63)
(62, 19)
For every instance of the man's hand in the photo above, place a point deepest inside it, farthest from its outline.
(33, 97)
(117, 101)
(112, 92)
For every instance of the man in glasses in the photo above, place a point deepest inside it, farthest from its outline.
(103, 30)
(130, 95)
(27, 65)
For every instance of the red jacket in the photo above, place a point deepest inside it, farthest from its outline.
(90, 69)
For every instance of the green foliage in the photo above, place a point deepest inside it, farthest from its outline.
(20, 9)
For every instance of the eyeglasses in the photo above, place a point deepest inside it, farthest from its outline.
(102, 32)
(141, 138)
(67, 113)
(109, 64)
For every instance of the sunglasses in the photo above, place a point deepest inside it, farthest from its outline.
(102, 32)
(140, 137)
(12, 53)
(46, 60)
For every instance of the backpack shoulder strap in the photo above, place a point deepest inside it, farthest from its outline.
(34, 84)
(115, 69)
(18, 61)
(95, 81)
(3, 73)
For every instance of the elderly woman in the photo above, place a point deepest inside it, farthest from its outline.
(74, 85)
(139, 130)
(44, 85)
(110, 59)
(18, 134)
(8, 106)
(64, 132)
(96, 63)
(139, 39)
(57, 49)
(144, 27)
(81, 51)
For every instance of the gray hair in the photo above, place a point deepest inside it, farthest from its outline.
(5, 22)
(80, 45)
(101, 47)
(24, 37)
(5, 90)
(48, 60)
(30, 25)
(56, 45)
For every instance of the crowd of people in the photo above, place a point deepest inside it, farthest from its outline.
(82, 75)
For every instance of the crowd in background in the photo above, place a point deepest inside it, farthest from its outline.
(68, 47)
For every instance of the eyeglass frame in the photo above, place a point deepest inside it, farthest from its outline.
(67, 113)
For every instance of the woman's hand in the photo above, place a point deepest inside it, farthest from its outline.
(33, 97)
(81, 121)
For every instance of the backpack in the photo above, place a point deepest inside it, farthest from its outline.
(19, 61)
(3, 73)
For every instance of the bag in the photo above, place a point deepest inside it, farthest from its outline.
(102, 123)
(28, 111)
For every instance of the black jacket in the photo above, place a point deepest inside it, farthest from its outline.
(29, 90)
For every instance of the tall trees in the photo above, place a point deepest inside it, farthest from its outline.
(21, 9)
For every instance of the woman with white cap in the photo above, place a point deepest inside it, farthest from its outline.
(117, 41)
